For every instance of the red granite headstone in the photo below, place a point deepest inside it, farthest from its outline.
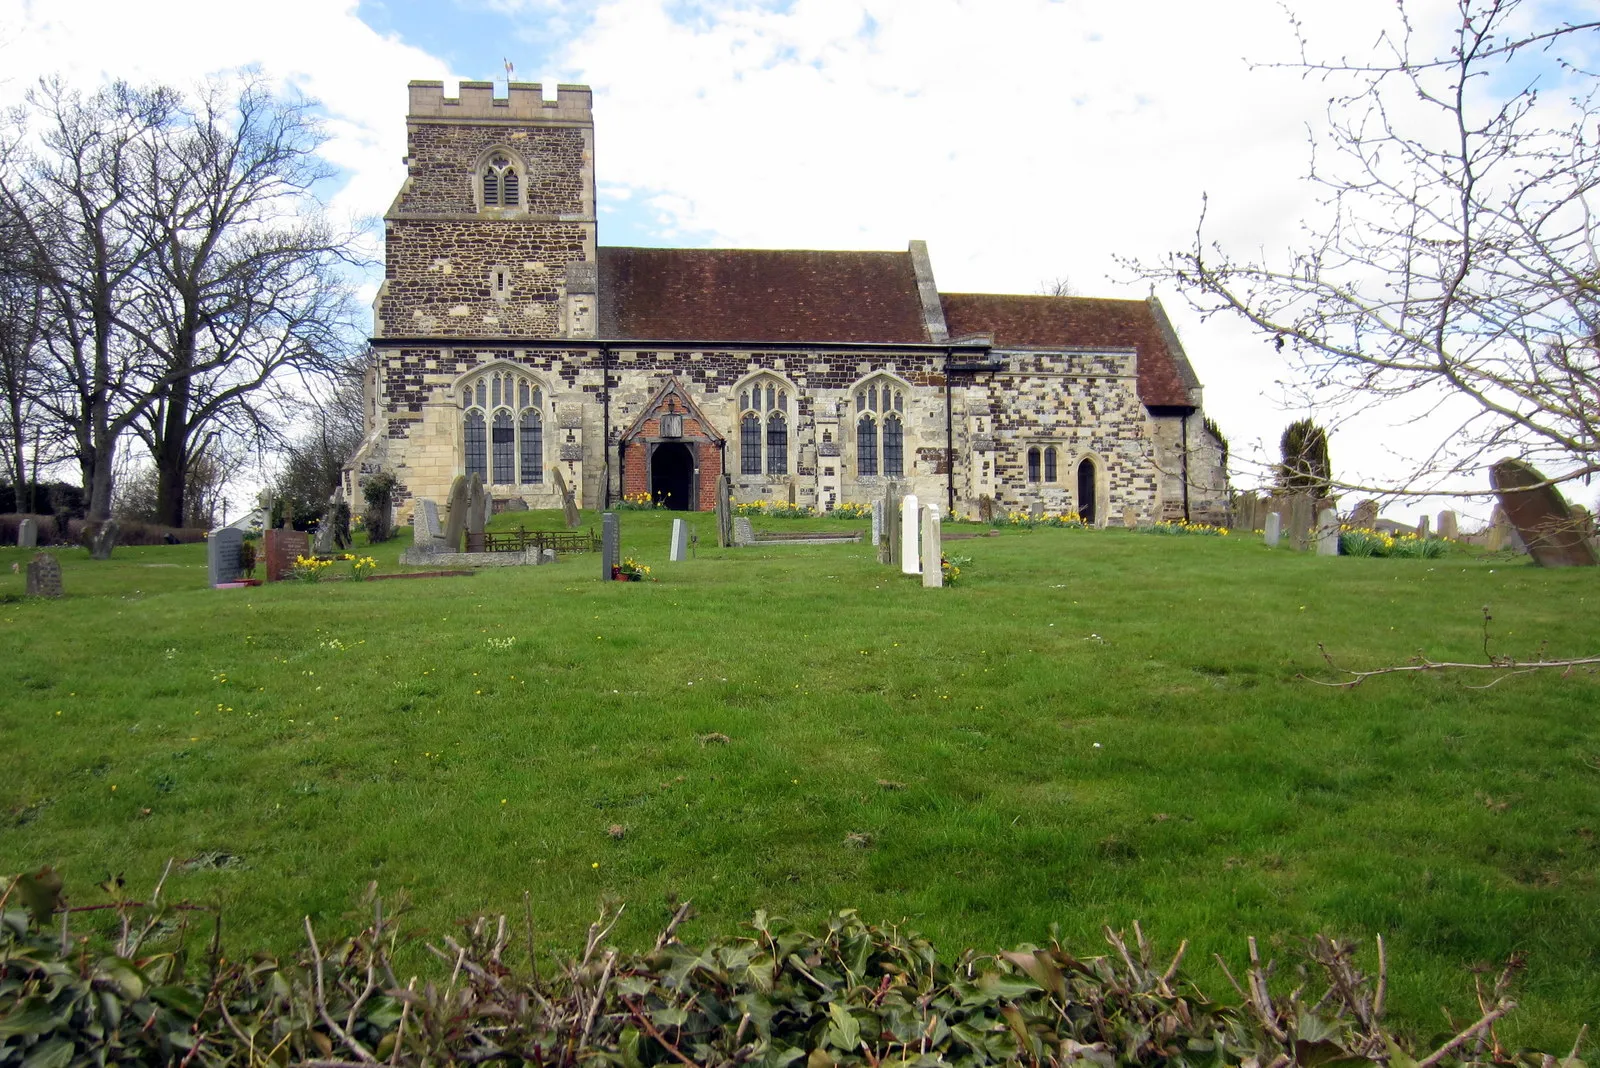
(282, 546)
(1539, 513)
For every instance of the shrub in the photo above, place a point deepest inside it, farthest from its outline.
(852, 994)
(379, 493)
(1362, 541)
(776, 509)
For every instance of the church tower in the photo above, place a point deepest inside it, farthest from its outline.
(493, 233)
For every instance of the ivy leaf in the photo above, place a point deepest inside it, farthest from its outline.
(41, 892)
(56, 1053)
(843, 1031)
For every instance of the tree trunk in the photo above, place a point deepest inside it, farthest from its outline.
(172, 457)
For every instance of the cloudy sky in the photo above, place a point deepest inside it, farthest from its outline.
(1025, 140)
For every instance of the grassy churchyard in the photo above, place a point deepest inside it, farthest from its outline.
(1094, 727)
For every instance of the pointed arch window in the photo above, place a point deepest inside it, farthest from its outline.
(1050, 472)
(764, 427)
(501, 182)
(1033, 464)
(503, 428)
(880, 427)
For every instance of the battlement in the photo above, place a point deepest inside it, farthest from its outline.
(524, 102)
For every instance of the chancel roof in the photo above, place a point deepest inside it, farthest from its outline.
(1064, 323)
(727, 294)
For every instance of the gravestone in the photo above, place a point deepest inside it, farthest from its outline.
(877, 524)
(1499, 530)
(44, 576)
(102, 538)
(1130, 516)
(743, 532)
(1582, 520)
(569, 505)
(1302, 516)
(1244, 511)
(1273, 530)
(1365, 514)
(323, 544)
(455, 516)
(724, 512)
(28, 533)
(280, 547)
(932, 548)
(1447, 525)
(1328, 533)
(610, 544)
(986, 508)
(222, 555)
(485, 509)
(680, 541)
(426, 532)
(517, 504)
(1538, 512)
(475, 514)
(889, 549)
(910, 536)
(1036, 510)
(791, 493)
(1422, 526)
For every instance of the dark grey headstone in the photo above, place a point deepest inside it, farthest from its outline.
(102, 538)
(222, 555)
(610, 543)
(724, 512)
(1538, 512)
(889, 553)
(477, 505)
(44, 576)
(27, 532)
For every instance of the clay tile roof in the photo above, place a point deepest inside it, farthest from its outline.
(725, 294)
(1057, 323)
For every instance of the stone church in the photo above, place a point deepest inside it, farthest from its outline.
(508, 342)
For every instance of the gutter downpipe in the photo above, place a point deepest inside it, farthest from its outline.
(1186, 466)
(605, 441)
(949, 442)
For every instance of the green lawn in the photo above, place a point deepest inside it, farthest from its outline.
(1095, 727)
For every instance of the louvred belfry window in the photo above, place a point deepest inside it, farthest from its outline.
(502, 185)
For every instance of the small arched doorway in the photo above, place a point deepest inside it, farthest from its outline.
(672, 476)
(1086, 491)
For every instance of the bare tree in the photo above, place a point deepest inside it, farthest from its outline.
(1059, 286)
(244, 288)
(68, 203)
(1456, 256)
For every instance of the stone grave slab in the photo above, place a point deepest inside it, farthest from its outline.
(1540, 515)
(1302, 517)
(910, 535)
(1274, 529)
(456, 514)
(476, 511)
(1364, 515)
(427, 522)
(1448, 527)
(223, 548)
(743, 532)
(1328, 533)
(1422, 526)
(28, 533)
(680, 541)
(569, 506)
(932, 548)
(877, 524)
(1130, 517)
(889, 548)
(44, 576)
(724, 512)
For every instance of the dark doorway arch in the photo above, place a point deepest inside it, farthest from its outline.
(1086, 491)
(672, 476)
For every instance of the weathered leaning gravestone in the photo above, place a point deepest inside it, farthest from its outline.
(44, 576)
(1539, 513)
(477, 511)
(455, 516)
(223, 549)
(1364, 515)
(28, 533)
(569, 505)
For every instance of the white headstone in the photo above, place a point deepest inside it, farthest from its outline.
(680, 541)
(28, 533)
(932, 548)
(910, 536)
(877, 523)
(1328, 533)
(1274, 529)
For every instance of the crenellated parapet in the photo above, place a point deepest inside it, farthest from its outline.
(524, 102)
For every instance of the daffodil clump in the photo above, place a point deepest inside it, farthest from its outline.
(1180, 527)
(1071, 520)
(778, 509)
(309, 568)
(850, 510)
(637, 502)
(951, 566)
(1364, 541)
(633, 568)
(361, 566)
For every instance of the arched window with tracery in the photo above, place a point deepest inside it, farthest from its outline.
(501, 182)
(764, 427)
(503, 427)
(880, 406)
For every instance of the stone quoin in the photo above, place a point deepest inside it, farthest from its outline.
(509, 344)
